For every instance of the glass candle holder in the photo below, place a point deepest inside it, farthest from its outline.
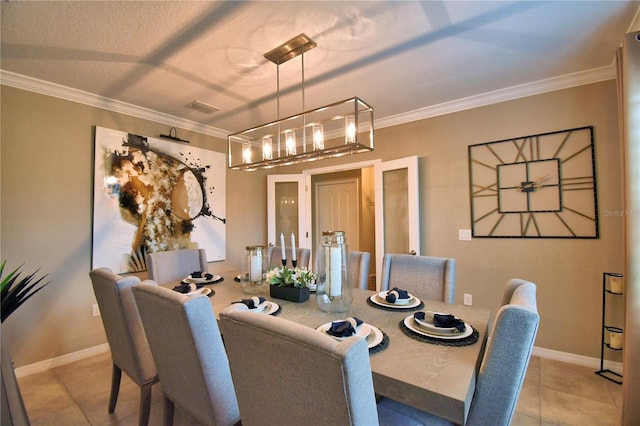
(253, 270)
(333, 290)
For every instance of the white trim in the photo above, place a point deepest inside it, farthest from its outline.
(48, 364)
(566, 81)
(569, 358)
(19, 81)
(507, 94)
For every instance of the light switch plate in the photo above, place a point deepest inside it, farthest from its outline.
(464, 234)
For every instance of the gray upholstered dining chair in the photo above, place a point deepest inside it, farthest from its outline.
(359, 268)
(173, 265)
(505, 361)
(274, 257)
(433, 277)
(288, 374)
(188, 350)
(126, 337)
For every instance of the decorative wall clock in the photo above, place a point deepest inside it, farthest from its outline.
(539, 186)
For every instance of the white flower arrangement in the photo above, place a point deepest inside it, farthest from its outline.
(287, 277)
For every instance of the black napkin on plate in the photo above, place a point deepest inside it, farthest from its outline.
(253, 302)
(199, 274)
(396, 294)
(423, 316)
(344, 328)
(187, 287)
(448, 321)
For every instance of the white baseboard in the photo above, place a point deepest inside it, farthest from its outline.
(582, 360)
(41, 366)
(48, 364)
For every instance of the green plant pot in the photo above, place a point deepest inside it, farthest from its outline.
(289, 293)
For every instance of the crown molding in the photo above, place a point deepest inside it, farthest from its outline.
(507, 94)
(43, 87)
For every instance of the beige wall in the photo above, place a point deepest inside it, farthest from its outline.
(46, 211)
(47, 175)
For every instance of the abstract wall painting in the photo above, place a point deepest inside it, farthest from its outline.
(154, 195)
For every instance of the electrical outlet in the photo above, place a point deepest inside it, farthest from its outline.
(96, 310)
(468, 299)
(464, 234)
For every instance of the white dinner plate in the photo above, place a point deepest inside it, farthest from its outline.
(271, 308)
(374, 336)
(413, 326)
(429, 326)
(380, 300)
(383, 298)
(261, 307)
(192, 280)
(204, 290)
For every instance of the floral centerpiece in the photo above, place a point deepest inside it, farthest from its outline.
(290, 283)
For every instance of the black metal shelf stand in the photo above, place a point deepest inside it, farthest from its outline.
(605, 372)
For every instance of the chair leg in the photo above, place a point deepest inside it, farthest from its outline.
(116, 375)
(169, 408)
(145, 404)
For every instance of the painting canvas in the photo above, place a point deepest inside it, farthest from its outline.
(154, 195)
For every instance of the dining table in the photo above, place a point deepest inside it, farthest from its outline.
(434, 375)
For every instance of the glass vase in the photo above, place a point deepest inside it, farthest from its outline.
(253, 270)
(333, 290)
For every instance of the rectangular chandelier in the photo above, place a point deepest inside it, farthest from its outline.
(344, 127)
(341, 128)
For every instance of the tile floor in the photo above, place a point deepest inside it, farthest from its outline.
(554, 393)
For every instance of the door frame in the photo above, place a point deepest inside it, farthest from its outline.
(304, 193)
(304, 239)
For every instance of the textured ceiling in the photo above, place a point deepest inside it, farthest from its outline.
(398, 56)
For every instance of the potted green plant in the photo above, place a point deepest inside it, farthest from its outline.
(15, 290)
(290, 283)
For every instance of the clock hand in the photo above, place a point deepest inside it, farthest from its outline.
(536, 183)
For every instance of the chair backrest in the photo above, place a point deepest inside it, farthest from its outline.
(122, 325)
(187, 347)
(506, 357)
(359, 267)
(173, 265)
(432, 277)
(286, 373)
(274, 257)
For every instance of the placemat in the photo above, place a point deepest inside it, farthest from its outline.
(278, 311)
(380, 346)
(385, 308)
(470, 340)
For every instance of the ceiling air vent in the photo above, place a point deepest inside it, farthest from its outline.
(202, 107)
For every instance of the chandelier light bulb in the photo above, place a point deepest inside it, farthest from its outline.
(318, 136)
(290, 142)
(246, 152)
(350, 129)
(267, 148)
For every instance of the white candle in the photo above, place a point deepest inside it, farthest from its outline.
(284, 253)
(293, 247)
(334, 272)
(615, 284)
(255, 273)
(615, 339)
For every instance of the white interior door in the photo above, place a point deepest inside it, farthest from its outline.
(397, 212)
(286, 210)
(338, 209)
